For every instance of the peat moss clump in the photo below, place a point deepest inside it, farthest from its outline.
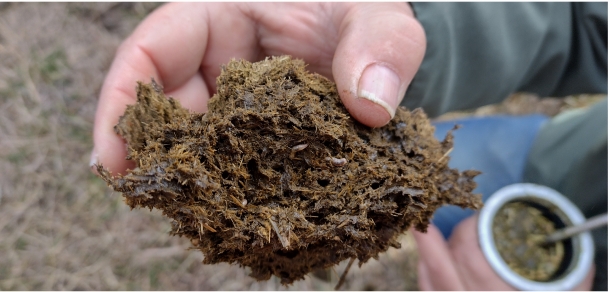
(518, 231)
(278, 177)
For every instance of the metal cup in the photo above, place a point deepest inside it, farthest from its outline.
(579, 249)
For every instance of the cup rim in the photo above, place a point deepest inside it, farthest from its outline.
(584, 258)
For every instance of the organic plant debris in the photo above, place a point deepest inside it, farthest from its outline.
(518, 231)
(278, 177)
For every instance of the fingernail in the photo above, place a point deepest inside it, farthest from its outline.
(93, 160)
(380, 84)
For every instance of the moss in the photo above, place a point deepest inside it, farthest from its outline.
(278, 177)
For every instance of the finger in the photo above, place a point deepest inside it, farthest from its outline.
(193, 94)
(191, 37)
(232, 35)
(423, 278)
(139, 59)
(587, 283)
(170, 46)
(306, 31)
(381, 47)
(439, 272)
(471, 263)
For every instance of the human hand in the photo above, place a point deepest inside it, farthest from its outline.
(459, 264)
(371, 51)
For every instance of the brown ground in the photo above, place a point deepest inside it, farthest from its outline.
(60, 226)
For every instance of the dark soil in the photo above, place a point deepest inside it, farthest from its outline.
(518, 232)
(278, 177)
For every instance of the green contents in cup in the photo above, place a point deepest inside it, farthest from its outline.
(518, 229)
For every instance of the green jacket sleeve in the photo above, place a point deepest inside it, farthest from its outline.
(570, 155)
(480, 53)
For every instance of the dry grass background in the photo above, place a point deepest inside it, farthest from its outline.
(61, 228)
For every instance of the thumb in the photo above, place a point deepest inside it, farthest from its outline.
(381, 46)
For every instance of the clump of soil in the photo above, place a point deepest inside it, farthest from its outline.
(278, 177)
(518, 231)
